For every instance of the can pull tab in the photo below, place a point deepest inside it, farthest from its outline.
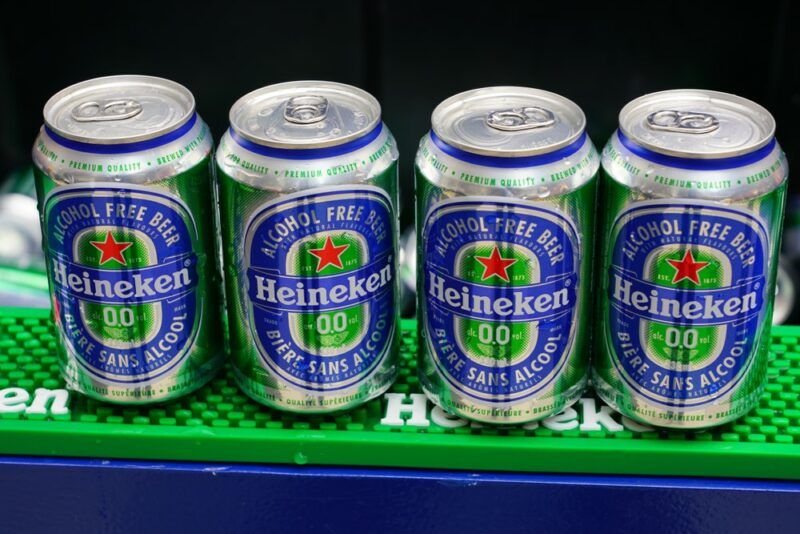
(690, 122)
(306, 109)
(106, 110)
(517, 119)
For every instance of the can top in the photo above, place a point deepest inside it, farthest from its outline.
(305, 114)
(696, 123)
(508, 121)
(119, 109)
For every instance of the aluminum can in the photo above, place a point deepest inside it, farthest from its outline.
(694, 189)
(123, 178)
(506, 183)
(21, 246)
(307, 178)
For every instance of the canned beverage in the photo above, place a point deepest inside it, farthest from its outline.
(505, 212)
(407, 253)
(785, 308)
(21, 246)
(123, 177)
(307, 177)
(694, 190)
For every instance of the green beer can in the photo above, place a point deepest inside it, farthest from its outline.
(694, 186)
(307, 178)
(505, 212)
(123, 178)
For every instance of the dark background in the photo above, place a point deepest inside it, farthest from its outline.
(410, 55)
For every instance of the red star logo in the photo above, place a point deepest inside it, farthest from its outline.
(495, 265)
(329, 254)
(111, 249)
(687, 268)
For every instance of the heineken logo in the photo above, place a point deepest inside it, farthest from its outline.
(687, 268)
(124, 276)
(42, 401)
(687, 296)
(328, 254)
(587, 415)
(535, 302)
(111, 250)
(290, 293)
(166, 281)
(320, 285)
(501, 281)
(495, 265)
(686, 306)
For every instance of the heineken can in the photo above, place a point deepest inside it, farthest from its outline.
(21, 243)
(307, 178)
(123, 178)
(694, 191)
(505, 213)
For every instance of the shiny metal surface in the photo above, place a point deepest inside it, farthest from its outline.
(305, 114)
(654, 180)
(697, 127)
(119, 109)
(299, 116)
(508, 123)
(131, 109)
(695, 123)
(479, 121)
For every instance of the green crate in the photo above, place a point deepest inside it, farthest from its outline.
(219, 424)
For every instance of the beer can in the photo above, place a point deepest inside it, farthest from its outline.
(307, 178)
(694, 191)
(123, 179)
(21, 246)
(505, 213)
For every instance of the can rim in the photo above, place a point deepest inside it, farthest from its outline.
(744, 103)
(501, 162)
(310, 84)
(439, 110)
(86, 84)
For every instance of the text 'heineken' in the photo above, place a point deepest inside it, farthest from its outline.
(694, 190)
(505, 210)
(308, 196)
(123, 178)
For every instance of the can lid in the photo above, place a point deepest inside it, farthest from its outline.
(305, 114)
(696, 123)
(119, 109)
(508, 121)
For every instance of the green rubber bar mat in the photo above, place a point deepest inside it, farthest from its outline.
(402, 429)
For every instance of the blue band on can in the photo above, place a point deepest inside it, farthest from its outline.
(694, 164)
(509, 163)
(310, 153)
(123, 148)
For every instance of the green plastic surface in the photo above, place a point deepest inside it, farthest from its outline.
(220, 424)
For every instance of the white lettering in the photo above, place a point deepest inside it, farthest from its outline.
(395, 408)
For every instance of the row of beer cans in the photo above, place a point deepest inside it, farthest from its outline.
(279, 251)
